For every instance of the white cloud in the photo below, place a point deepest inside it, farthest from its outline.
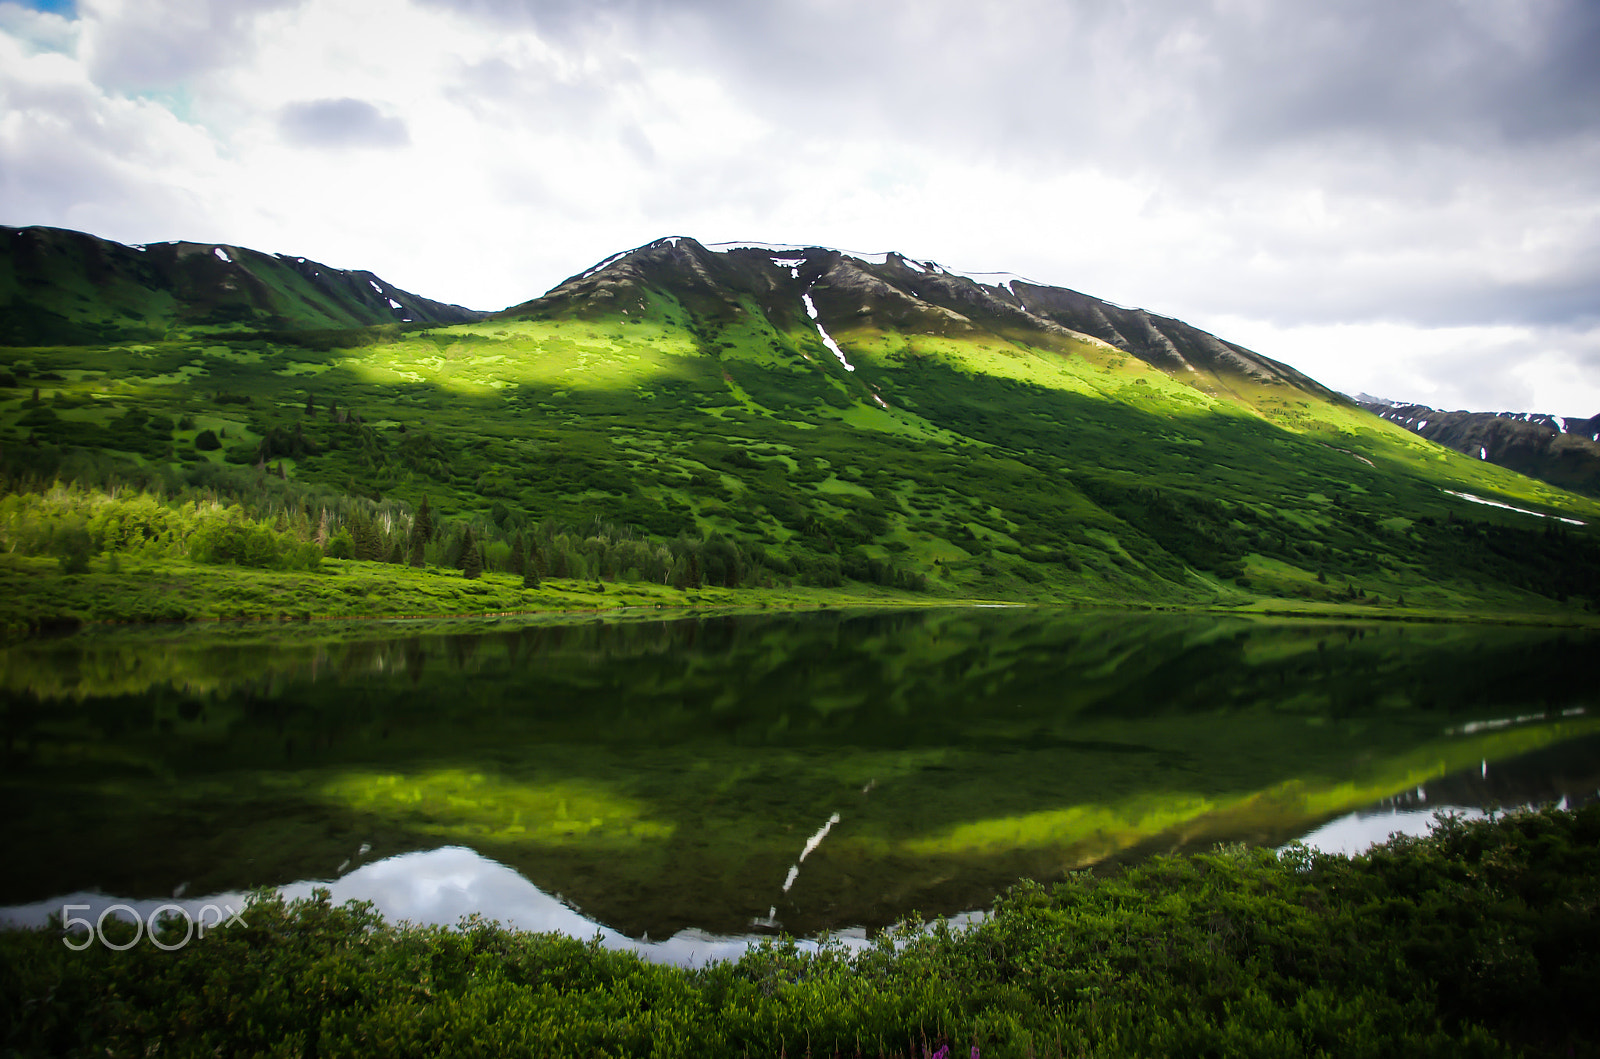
(1498, 368)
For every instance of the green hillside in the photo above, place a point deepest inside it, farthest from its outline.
(59, 286)
(677, 416)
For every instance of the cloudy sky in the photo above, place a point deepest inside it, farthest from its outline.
(1402, 198)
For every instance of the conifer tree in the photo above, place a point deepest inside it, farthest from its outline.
(518, 560)
(311, 404)
(471, 558)
(421, 533)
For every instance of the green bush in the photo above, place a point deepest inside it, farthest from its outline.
(1478, 940)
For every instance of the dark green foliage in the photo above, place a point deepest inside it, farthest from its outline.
(1479, 940)
(471, 559)
(207, 441)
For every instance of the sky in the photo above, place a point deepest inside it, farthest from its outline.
(1396, 198)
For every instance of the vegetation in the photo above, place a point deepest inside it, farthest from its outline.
(712, 441)
(1478, 940)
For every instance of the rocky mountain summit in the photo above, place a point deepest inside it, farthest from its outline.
(1562, 450)
(893, 292)
(59, 286)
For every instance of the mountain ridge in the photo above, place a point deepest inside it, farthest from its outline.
(903, 291)
(1562, 450)
(62, 286)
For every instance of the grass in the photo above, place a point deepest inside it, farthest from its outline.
(35, 594)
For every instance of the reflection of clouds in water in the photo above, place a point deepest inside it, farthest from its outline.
(1358, 832)
(439, 887)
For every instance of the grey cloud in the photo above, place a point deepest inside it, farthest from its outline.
(340, 123)
(1162, 81)
(156, 44)
(520, 92)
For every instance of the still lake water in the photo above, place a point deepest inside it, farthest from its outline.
(678, 784)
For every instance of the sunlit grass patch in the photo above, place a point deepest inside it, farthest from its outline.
(465, 805)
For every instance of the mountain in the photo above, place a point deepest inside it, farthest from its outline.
(798, 415)
(1562, 450)
(900, 294)
(65, 287)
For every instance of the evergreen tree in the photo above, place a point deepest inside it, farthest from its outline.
(518, 560)
(471, 558)
(311, 404)
(421, 533)
(530, 576)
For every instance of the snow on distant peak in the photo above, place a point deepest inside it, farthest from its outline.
(222, 255)
(394, 304)
(374, 285)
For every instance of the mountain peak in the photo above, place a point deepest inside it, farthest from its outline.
(893, 290)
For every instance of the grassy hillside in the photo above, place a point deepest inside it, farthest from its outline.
(64, 286)
(678, 417)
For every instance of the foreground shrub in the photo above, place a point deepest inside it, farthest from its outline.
(1478, 940)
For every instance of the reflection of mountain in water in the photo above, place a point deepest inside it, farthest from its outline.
(442, 886)
(665, 775)
(1566, 775)
(436, 887)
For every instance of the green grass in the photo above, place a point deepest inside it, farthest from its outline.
(34, 594)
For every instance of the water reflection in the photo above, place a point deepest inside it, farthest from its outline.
(821, 771)
(445, 885)
(440, 887)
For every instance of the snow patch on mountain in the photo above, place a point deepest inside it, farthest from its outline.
(827, 339)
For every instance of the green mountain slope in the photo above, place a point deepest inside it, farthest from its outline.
(60, 286)
(768, 415)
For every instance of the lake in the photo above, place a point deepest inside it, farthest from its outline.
(681, 784)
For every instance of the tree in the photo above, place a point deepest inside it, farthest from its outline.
(421, 533)
(518, 559)
(471, 558)
(311, 404)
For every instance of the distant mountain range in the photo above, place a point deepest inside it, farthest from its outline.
(1562, 450)
(67, 288)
